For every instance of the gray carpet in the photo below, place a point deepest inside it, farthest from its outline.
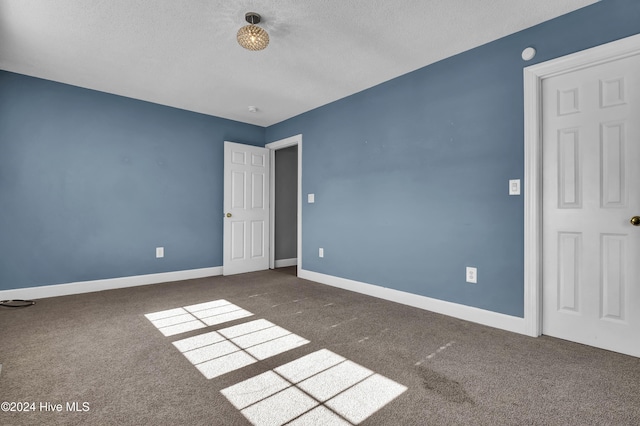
(99, 352)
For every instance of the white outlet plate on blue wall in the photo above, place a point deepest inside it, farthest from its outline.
(472, 275)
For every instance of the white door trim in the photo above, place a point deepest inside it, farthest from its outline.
(274, 146)
(533, 77)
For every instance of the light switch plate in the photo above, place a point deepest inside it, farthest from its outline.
(514, 187)
(159, 252)
(320, 252)
(311, 198)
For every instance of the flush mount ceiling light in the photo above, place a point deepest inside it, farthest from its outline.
(251, 36)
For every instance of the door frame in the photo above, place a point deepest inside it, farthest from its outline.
(274, 146)
(533, 77)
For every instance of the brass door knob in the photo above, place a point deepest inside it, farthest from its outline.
(635, 221)
(229, 215)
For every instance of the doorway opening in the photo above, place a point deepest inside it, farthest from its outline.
(286, 206)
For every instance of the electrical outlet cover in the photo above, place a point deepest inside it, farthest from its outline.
(472, 275)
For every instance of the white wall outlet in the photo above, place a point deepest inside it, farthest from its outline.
(311, 198)
(514, 187)
(320, 252)
(159, 252)
(472, 275)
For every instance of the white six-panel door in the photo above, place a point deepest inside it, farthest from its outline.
(591, 190)
(246, 208)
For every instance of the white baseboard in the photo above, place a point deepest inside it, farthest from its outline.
(106, 284)
(283, 263)
(468, 313)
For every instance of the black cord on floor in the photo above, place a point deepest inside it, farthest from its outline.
(16, 303)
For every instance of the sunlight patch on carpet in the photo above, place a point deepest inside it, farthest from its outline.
(220, 352)
(319, 388)
(188, 318)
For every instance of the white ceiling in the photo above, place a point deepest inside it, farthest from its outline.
(183, 53)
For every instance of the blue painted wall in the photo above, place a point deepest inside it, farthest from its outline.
(91, 183)
(411, 177)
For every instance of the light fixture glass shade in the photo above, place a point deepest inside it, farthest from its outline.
(253, 37)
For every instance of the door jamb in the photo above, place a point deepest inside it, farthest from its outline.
(274, 146)
(533, 77)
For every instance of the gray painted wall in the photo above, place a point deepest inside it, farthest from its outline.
(286, 214)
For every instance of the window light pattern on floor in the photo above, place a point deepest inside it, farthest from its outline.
(220, 352)
(194, 317)
(319, 388)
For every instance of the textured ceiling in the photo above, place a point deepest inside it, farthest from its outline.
(183, 53)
